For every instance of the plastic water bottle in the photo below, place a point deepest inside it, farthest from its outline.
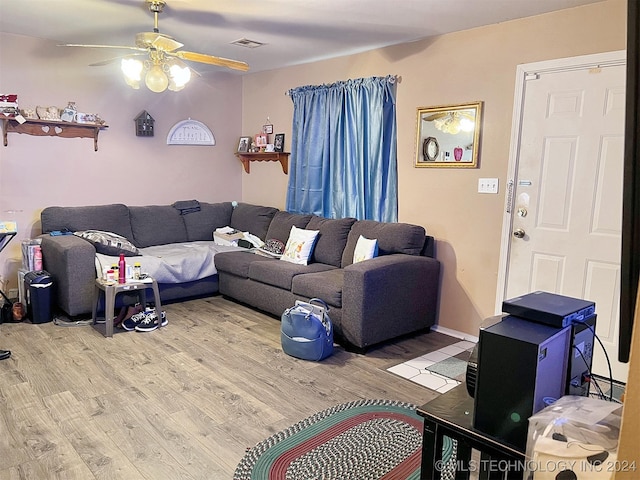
(37, 258)
(122, 270)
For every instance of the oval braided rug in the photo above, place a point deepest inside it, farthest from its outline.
(363, 440)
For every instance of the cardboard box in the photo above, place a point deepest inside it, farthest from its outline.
(227, 239)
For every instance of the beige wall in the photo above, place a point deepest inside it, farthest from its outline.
(36, 172)
(478, 64)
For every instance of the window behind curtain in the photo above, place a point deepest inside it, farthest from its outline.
(343, 150)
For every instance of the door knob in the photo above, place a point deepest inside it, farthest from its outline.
(518, 233)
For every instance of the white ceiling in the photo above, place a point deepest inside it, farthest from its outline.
(294, 31)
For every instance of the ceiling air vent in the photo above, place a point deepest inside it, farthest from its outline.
(245, 42)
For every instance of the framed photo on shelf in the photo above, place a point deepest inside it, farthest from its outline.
(243, 144)
(261, 140)
(278, 143)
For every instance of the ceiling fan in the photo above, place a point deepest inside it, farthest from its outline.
(452, 121)
(437, 116)
(164, 66)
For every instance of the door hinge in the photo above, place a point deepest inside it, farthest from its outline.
(531, 76)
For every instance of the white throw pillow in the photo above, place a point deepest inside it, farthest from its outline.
(365, 249)
(299, 245)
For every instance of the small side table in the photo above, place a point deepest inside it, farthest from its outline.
(111, 289)
(451, 415)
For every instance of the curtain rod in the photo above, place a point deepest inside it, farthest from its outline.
(391, 78)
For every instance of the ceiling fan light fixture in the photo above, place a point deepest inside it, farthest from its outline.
(466, 125)
(132, 70)
(156, 80)
(178, 77)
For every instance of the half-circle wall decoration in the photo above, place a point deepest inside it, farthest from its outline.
(190, 132)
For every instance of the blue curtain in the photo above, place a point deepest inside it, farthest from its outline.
(343, 150)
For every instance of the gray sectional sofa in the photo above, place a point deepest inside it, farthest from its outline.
(372, 301)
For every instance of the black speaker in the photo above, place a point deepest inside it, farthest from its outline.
(472, 364)
(581, 356)
(522, 367)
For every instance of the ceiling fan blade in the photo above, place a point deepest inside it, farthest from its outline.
(433, 117)
(114, 59)
(103, 46)
(211, 60)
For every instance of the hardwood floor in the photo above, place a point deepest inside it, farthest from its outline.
(184, 401)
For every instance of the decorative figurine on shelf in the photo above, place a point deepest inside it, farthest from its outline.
(69, 113)
(48, 113)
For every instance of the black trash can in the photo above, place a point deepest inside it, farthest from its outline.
(38, 288)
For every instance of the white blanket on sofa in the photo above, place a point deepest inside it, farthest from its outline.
(173, 263)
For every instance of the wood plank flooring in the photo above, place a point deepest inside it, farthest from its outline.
(182, 402)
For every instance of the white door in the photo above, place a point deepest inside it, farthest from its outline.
(565, 205)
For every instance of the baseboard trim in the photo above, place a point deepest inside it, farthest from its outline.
(454, 333)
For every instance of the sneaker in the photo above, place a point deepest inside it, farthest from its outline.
(150, 322)
(132, 322)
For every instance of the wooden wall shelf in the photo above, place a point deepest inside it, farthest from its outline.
(52, 128)
(247, 158)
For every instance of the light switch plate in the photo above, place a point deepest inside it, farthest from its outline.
(487, 185)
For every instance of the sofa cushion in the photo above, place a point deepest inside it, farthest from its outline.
(237, 263)
(280, 226)
(157, 225)
(252, 218)
(325, 285)
(108, 218)
(281, 274)
(332, 238)
(392, 238)
(200, 225)
(108, 243)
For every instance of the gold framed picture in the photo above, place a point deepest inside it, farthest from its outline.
(448, 136)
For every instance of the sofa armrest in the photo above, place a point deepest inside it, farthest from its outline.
(389, 296)
(70, 261)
